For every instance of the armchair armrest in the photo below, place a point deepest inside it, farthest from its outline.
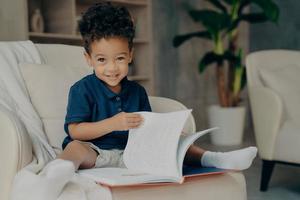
(15, 149)
(267, 110)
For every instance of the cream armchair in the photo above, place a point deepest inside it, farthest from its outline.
(64, 64)
(273, 82)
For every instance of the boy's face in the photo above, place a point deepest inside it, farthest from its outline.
(110, 58)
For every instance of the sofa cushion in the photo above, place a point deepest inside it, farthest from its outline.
(228, 186)
(48, 88)
(285, 81)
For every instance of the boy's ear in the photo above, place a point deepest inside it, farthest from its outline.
(131, 55)
(88, 58)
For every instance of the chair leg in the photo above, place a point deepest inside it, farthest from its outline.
(266, 174)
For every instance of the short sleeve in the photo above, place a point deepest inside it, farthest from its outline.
(144, 103)
(79, 107)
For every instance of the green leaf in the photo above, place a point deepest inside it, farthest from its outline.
(238, 74)
(179, 39)
(229, 2)
(230, 57)
(218, 5)
(209, 58)
(270, 9)
(254, 17)
(244, 78)
(234, 25)
(212, 20)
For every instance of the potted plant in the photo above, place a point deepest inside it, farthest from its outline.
(220, 26)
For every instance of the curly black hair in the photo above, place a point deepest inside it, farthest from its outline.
(104, 20)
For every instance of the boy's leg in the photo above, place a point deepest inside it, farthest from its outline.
(193, 155)
(237, 160)
(81, 154)
(54, 176)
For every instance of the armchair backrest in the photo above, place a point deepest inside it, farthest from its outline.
(62, 55)
(278, 71)
(268, 59)
(163, 104)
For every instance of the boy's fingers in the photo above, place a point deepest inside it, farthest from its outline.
(134, 115)
(135, 120)
(134, 125)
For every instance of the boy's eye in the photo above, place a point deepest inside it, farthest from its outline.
(101, 59)
(121, 58)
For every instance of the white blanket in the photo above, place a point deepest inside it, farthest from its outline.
(14, 97)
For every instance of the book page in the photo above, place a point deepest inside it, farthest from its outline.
(152, 148)
(123, 176)
(185, 142)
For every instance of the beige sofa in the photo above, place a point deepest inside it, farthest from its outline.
(16, 149)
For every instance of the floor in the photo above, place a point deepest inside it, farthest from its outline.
(285, 181)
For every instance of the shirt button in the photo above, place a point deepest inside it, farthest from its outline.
(119, 109)
(118, 98)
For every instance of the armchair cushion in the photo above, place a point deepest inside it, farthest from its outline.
(48, 88)
(284, 80)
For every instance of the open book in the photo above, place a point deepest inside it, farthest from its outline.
(154, 153)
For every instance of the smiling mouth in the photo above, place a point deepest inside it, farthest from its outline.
(112, 76)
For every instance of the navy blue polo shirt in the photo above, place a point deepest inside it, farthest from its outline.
(90, 100)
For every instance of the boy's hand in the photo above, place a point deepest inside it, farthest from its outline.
(125, 121)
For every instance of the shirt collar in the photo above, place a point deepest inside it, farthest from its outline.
(110, 94)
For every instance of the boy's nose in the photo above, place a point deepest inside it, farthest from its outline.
(112, 67)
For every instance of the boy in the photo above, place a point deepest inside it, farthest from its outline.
(101, 105)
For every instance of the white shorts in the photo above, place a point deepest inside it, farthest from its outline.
(108, 158)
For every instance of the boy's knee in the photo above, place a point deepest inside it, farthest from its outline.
(77, 146)
(84, 154)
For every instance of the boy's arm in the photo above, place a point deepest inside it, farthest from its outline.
(92, 130)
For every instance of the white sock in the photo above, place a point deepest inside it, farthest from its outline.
(48, 184)
(236, 160)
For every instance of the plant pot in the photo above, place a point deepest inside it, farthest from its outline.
(231, 123)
